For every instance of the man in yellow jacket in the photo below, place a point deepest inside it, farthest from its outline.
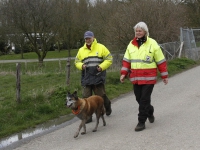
(93, 59)
(141, 60)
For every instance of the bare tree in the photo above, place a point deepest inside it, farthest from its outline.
(164, 18)
(36, 20)
(74, 21)
(3, 34)
(44, 21)
(193, 12)
(117, 18)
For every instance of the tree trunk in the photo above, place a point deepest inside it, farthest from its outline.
(22, 52)
(40, 63)
(68, 71)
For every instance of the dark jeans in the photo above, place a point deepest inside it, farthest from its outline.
(143, 97)
(98, 90)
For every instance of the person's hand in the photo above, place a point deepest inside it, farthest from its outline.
(122, 78)
(165, 80)
(99, 68)
(84, 66)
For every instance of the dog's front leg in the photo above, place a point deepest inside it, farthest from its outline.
(80, 126)
(84, 127)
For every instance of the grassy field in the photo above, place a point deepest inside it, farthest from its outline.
(43, 90)
(198, 44)
(33, 55)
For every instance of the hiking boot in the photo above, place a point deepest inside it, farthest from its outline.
(151, 119)
(107, 105)
(89, 120)
(108, 110)
(140, 127)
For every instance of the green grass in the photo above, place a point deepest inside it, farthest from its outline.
(198, 44)
(33, 55)
(43, 90)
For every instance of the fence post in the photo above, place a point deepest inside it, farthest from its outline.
(18, 65)
(181, 47)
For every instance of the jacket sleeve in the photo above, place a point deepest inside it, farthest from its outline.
(126, 63)
(107, 59)
(161, 62)
(78, 62)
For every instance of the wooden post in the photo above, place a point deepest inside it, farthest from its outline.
(18, 65)
(68, 71)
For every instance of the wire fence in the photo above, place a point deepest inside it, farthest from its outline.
(188, 46)
(171, 50)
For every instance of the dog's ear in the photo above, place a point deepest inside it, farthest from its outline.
(68, 94)
(75, 95)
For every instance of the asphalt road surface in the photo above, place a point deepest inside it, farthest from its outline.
(176, 126)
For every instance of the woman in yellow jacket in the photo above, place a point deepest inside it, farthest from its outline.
(141, 60)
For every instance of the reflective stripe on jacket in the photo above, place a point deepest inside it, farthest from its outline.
(141, 63)
(99, 55)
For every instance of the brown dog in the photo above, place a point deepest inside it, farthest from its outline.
(84, 108)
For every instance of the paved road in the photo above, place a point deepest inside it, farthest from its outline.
(177, 124)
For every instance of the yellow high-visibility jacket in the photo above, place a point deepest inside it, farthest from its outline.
(98, 55)
(141, 63)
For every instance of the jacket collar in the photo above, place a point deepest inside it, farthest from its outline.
(93, 44)
(136, 40)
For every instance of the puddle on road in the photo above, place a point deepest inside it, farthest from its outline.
(33, 131)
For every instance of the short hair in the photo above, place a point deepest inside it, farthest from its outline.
(143, 26)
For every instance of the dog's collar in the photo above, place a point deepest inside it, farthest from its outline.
(77, 111)
(79, 108)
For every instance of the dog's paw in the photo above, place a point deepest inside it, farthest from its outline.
(94, 130)
(76, 135)
(104, 124)
(83, 133)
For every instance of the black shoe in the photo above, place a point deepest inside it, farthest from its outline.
(151, 119)
(89, 120)
(140, 127)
